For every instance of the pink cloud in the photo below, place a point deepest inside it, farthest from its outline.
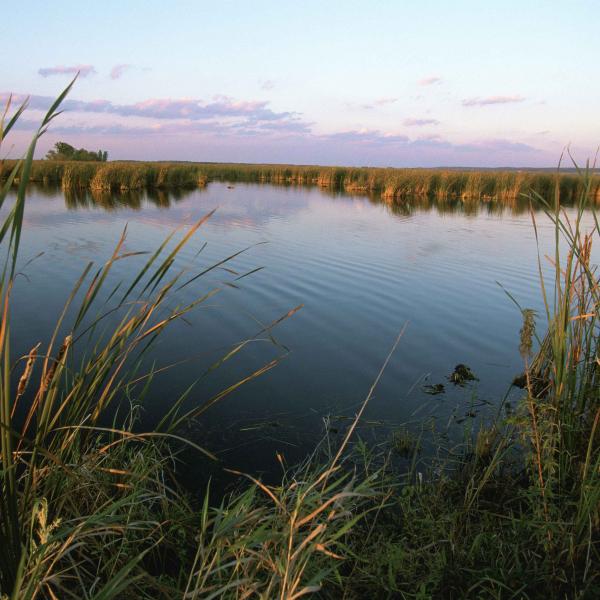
(204, 142)
(172, 116)
(250, 131)
(118, 70)
(430, 80)
(222, 107)
(83, 70)
(490, 100)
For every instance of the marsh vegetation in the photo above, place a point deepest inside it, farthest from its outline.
(389, 184)
(91, 505)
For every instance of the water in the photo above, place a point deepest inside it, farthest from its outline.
(361, 270)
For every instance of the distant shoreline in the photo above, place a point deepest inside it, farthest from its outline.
(391, 184)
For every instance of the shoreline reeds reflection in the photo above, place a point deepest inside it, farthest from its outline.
(390, 184)
(82, 198)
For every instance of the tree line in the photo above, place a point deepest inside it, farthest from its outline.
(64, 151)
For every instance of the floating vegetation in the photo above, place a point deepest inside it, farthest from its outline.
(434, 389)
(461, 375)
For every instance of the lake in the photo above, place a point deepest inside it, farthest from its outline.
(361, 269)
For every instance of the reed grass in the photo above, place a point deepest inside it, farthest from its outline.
(83, 504)
(113, 176)
(391, 185)
(513, 511)
(94, 510)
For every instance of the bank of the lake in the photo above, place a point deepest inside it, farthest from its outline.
(387, 183)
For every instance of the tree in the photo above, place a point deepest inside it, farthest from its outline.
(64, 151)
(61, 151)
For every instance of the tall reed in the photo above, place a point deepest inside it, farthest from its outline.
(390, 184)
(564, 382)
(71, 485)
(89, 506)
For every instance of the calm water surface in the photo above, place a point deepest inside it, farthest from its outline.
(361, 269)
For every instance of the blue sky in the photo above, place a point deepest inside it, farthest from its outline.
(363, 83)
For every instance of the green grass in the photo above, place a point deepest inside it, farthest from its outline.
(90, 510)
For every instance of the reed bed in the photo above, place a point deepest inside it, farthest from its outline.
(389, 184)
(113, 176)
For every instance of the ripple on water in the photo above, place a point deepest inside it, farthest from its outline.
(360, 270)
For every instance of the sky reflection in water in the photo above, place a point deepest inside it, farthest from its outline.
(360, 267)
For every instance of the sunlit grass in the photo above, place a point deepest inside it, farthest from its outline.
(389, 184)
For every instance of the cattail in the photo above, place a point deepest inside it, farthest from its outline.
(527, 332)
(27, 372)
(61, 353)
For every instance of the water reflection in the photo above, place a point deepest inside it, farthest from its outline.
(85, 199)
(76, 199)
(471, 208)
(362, 268)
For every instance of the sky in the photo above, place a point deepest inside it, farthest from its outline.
(378, 83)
